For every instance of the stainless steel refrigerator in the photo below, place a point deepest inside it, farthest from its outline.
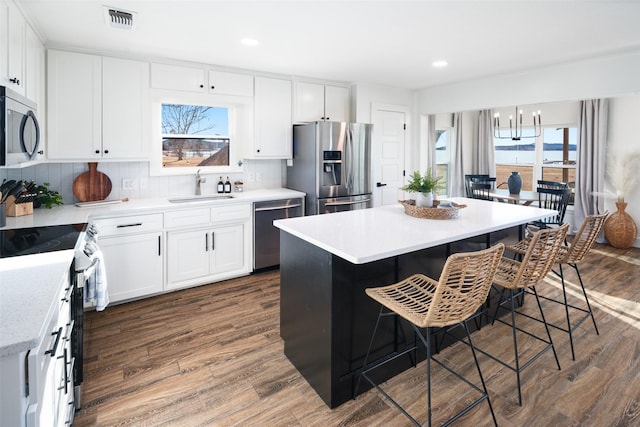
(332, 164)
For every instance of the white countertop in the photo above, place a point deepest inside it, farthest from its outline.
(368, 235)
(28, 288)
(72, 214)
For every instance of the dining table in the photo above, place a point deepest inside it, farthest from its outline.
(523, 198)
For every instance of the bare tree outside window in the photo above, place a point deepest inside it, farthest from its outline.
(188, 139)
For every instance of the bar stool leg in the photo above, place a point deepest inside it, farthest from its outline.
(546, 326)
(484, 386)
(515, 342)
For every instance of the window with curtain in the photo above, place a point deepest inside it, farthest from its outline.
(443, 155)
(551, 156)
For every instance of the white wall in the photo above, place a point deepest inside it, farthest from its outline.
(596, 78)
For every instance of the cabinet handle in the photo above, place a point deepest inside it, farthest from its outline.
(206, 242)
(41, 152)
(258, 150)
(201, 86)
(213, 241)
(327, 118)
(106, 151)
(52, 351)
(97, 151)
(213, 87)
(159, 246)
(137, 224)
(15, 80)
(67, 296)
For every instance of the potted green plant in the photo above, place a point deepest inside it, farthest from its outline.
(46, 197)
(424, 187)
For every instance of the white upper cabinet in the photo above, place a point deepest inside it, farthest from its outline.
(316, 102)
(273, 126)
(223, 83)
(12, 34)
(174, 77)
(125, 107)
(191, 79)
(96, 112)
(74, 105)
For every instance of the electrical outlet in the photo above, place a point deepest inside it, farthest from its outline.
(128, 184)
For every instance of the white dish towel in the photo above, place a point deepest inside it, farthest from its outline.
(96, 287)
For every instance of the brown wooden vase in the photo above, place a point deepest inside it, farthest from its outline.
(620, 229)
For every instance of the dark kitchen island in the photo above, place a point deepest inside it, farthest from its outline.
(326, 262)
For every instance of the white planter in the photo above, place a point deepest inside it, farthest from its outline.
(424, 200)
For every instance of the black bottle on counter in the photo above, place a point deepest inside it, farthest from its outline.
(220, 186)
(227, 186)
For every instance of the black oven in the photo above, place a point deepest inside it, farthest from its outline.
(19, 128)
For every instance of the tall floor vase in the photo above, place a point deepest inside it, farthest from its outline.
(620, 229)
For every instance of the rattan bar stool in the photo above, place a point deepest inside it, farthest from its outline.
(572, 254)
(513, 278)
(448, 303)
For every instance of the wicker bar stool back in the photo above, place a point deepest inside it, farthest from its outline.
(424, 303)
(572, 254)
(514, 277)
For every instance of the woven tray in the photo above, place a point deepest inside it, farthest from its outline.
(411, 209)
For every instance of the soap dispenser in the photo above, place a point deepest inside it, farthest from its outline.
(220, 186)
(227, 186)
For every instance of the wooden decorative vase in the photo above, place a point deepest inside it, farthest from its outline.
(620, 229)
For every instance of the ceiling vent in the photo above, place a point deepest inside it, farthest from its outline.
(117, 18)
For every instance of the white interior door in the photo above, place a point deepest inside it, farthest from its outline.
(388, 149)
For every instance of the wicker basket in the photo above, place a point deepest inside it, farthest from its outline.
(411, 209)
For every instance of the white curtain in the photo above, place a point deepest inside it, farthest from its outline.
(431, 143)
(591, 153)
(457, 168)
(485, 150)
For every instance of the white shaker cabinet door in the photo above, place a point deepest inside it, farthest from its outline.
(134, 265)
(125, 109)
(223, 83)
(228, 249)
(188, 256)
(74, 88)
(174, 77)
(273, 125)
(309, 102)
(336, 103)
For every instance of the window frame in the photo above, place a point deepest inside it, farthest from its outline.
(240, 134)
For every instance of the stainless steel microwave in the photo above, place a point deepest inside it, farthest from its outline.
(19, 128)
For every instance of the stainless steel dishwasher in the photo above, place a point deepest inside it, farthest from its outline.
(266, 237)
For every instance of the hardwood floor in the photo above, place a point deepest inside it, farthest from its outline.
(212, 356)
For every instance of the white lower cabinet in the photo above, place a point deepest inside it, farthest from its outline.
(37, 385)
(133, 255)
(216, 251)
(206, 252)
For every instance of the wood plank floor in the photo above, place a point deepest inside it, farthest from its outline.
(212, 356)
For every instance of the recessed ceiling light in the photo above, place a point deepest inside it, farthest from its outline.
(248, 41)
(439, 64)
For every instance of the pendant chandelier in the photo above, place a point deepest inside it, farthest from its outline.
(515, 132)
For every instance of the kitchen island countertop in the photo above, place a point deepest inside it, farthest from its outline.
(372, 234)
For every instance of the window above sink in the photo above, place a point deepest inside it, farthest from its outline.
(199, 131)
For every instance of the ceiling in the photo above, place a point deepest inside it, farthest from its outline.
(381, 42)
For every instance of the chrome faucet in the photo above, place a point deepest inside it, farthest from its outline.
(199, 180)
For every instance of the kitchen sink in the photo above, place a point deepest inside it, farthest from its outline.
(190, 199)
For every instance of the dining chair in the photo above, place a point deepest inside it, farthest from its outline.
(555, 199)
(572, 254)
(551, 184)
(445, 304)
(481, 190)
(512, 279)
(469, 179)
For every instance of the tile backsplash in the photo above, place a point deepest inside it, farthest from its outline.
(257, 174)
